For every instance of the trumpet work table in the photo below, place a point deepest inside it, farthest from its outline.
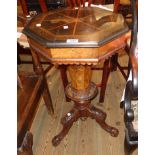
(78, 38)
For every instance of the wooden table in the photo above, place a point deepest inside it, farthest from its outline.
(79, 38)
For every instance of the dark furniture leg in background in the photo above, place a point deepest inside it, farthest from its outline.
(29, 91)
(105, 75)
(114, 60)
(27, 51)
(39, 70)
(26, 147)
(24, 7)
(115, 64)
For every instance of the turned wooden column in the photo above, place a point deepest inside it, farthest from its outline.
(80, 76)
(39, 70)
(81, 88)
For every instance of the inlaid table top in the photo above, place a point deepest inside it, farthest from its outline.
(77, 35)
(76, 27)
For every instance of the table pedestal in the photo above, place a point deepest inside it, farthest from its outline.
(81, 91)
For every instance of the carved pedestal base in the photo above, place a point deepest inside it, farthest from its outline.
(85, 110)
(81, 91)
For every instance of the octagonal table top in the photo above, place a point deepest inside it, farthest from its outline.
(76, 27)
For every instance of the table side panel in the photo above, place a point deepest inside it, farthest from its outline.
(80, 55)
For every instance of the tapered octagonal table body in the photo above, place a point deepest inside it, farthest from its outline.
(78, 38)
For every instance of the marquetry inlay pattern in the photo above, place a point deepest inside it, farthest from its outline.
(76, 27)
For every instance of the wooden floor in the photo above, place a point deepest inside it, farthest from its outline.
(85, 137)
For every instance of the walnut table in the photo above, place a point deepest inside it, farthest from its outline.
(78, 38)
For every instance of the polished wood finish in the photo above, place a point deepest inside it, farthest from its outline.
(90, 20)
(80, 76)
(83, 55)
(77, 54)
(29, 91)
(79, 111)
(66, 27)
(114, 59)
